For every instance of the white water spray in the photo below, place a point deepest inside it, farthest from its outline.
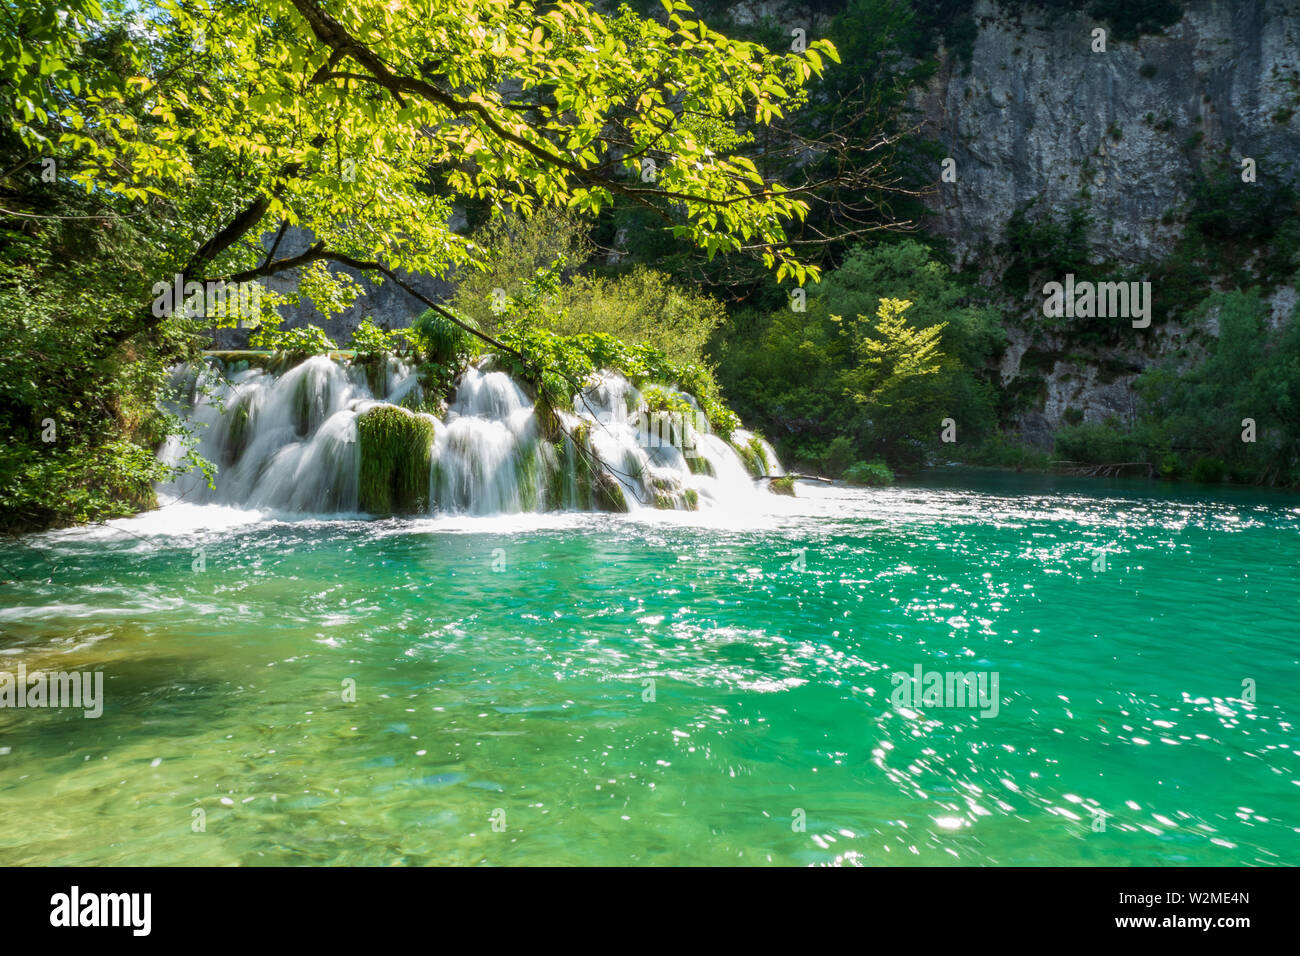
(289, 441)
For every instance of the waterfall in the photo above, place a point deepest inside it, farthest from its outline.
(333, 436)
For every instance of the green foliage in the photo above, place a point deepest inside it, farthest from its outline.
(1195, 408)
(1131, 19)
(1040, 245)
(1098, 443)
(1236, 221)
(1243, 234)
(304, 340)
(1127, 19)
(753, 456)
(907, 269)
(1249, 371)
(439, 340)
(513, 251)
(172, 157)
(80, 420)
(443, 349)
(838, 456)
(999, 451)
(783, 485)
(1209, 470)
(657, 399)
(564, 365)
(395, 447)
(531, 276)
(370, 339)
(869, 473)
(643, 307)
(882, 384)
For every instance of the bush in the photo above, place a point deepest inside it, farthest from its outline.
(79, 432)
(1171, 466)
(439, 340)
(514, 250)
(999, 451)
(789, 372)
(1098, 444)
(869, 473)
(370, 339)
(839, 455)
(643, 307)
(1209, 470)
(304, 340)
(1249, 371)
(562, 365)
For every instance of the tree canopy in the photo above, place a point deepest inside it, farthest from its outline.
(364, 121)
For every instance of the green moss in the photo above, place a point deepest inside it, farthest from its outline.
(699, 465)
(374, 365)
(692, 499)
(395, 460)
(555, 476)
(609, 494)
(302, 405)
(753, 456)
(239, 429)
(782, 486)
(528, 467)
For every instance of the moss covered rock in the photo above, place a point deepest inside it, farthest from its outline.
(754, 457)
(782, 486)
(396, 447)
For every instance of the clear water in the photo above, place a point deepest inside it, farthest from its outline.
(513, 680)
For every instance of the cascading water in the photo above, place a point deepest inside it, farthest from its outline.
(332, 437)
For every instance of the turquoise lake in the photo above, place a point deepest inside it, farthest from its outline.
(669, 688)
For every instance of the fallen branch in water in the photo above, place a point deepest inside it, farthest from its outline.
(1113, 470)
(824, 481)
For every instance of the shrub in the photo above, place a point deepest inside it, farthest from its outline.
(1041, 243)
(1097, 444)
(869, 473)
(643, 307)
(562, 365)
(303, 340)
(840, 454)
(999, 451)
(782, 486)
(440, 340)
(1210, 470)
(513, 250)
(370, 339)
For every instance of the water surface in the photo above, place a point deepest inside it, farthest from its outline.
(501, 670)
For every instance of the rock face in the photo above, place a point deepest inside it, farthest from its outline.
(390, 306)
(1038, 114)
